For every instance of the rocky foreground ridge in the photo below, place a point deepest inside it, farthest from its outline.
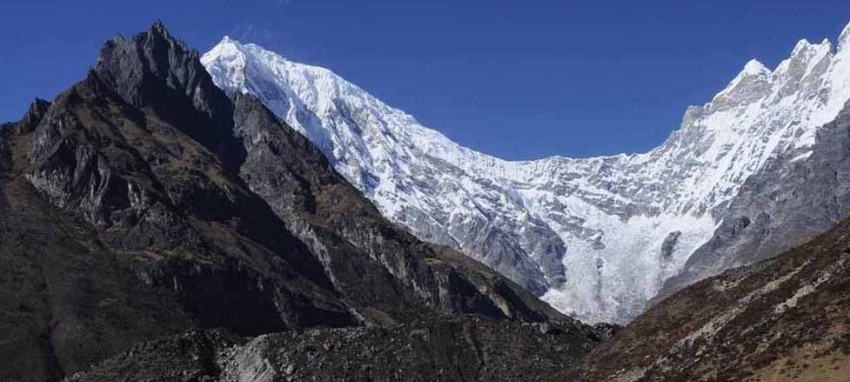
(446, 350)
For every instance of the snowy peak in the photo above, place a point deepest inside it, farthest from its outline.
(804, 55)
(597, 237)
(227, 47)
(751, 84)
(230, 63)
(753, 71)
(801, 47)
(754, 68)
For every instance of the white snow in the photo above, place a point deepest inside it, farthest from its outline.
(612, 213)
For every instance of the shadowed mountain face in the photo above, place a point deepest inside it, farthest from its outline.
(143, 201)
(377, 265)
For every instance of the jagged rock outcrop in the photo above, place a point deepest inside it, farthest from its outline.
(143, 202)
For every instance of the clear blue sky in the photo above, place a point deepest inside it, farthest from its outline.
(517, 79)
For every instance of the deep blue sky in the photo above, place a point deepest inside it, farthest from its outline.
(517, 79)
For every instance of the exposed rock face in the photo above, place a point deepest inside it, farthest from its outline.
(67, 299)
(669, 244)
(467, 350)
(156, 71)
(592, 236)
(133, 209)
(784, 319)
(370, 260)
(795, 198)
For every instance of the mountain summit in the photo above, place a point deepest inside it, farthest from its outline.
(596, 237)
(143, 202)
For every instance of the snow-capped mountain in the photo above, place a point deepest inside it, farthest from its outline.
(596, 237)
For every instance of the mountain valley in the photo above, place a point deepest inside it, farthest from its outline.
(236, 216)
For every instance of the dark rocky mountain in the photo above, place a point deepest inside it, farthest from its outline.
(143, 202)
(376, 265)
(783, 319)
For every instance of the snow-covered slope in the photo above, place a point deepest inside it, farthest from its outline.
(596, 237)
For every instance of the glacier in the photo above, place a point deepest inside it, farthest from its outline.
(595, 237)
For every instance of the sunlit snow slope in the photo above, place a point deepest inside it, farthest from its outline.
(596, 237)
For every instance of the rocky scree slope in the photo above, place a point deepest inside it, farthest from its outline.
(448, 350)
(143, 201)
(597, 237)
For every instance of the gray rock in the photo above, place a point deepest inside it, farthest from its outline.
(786, 204)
